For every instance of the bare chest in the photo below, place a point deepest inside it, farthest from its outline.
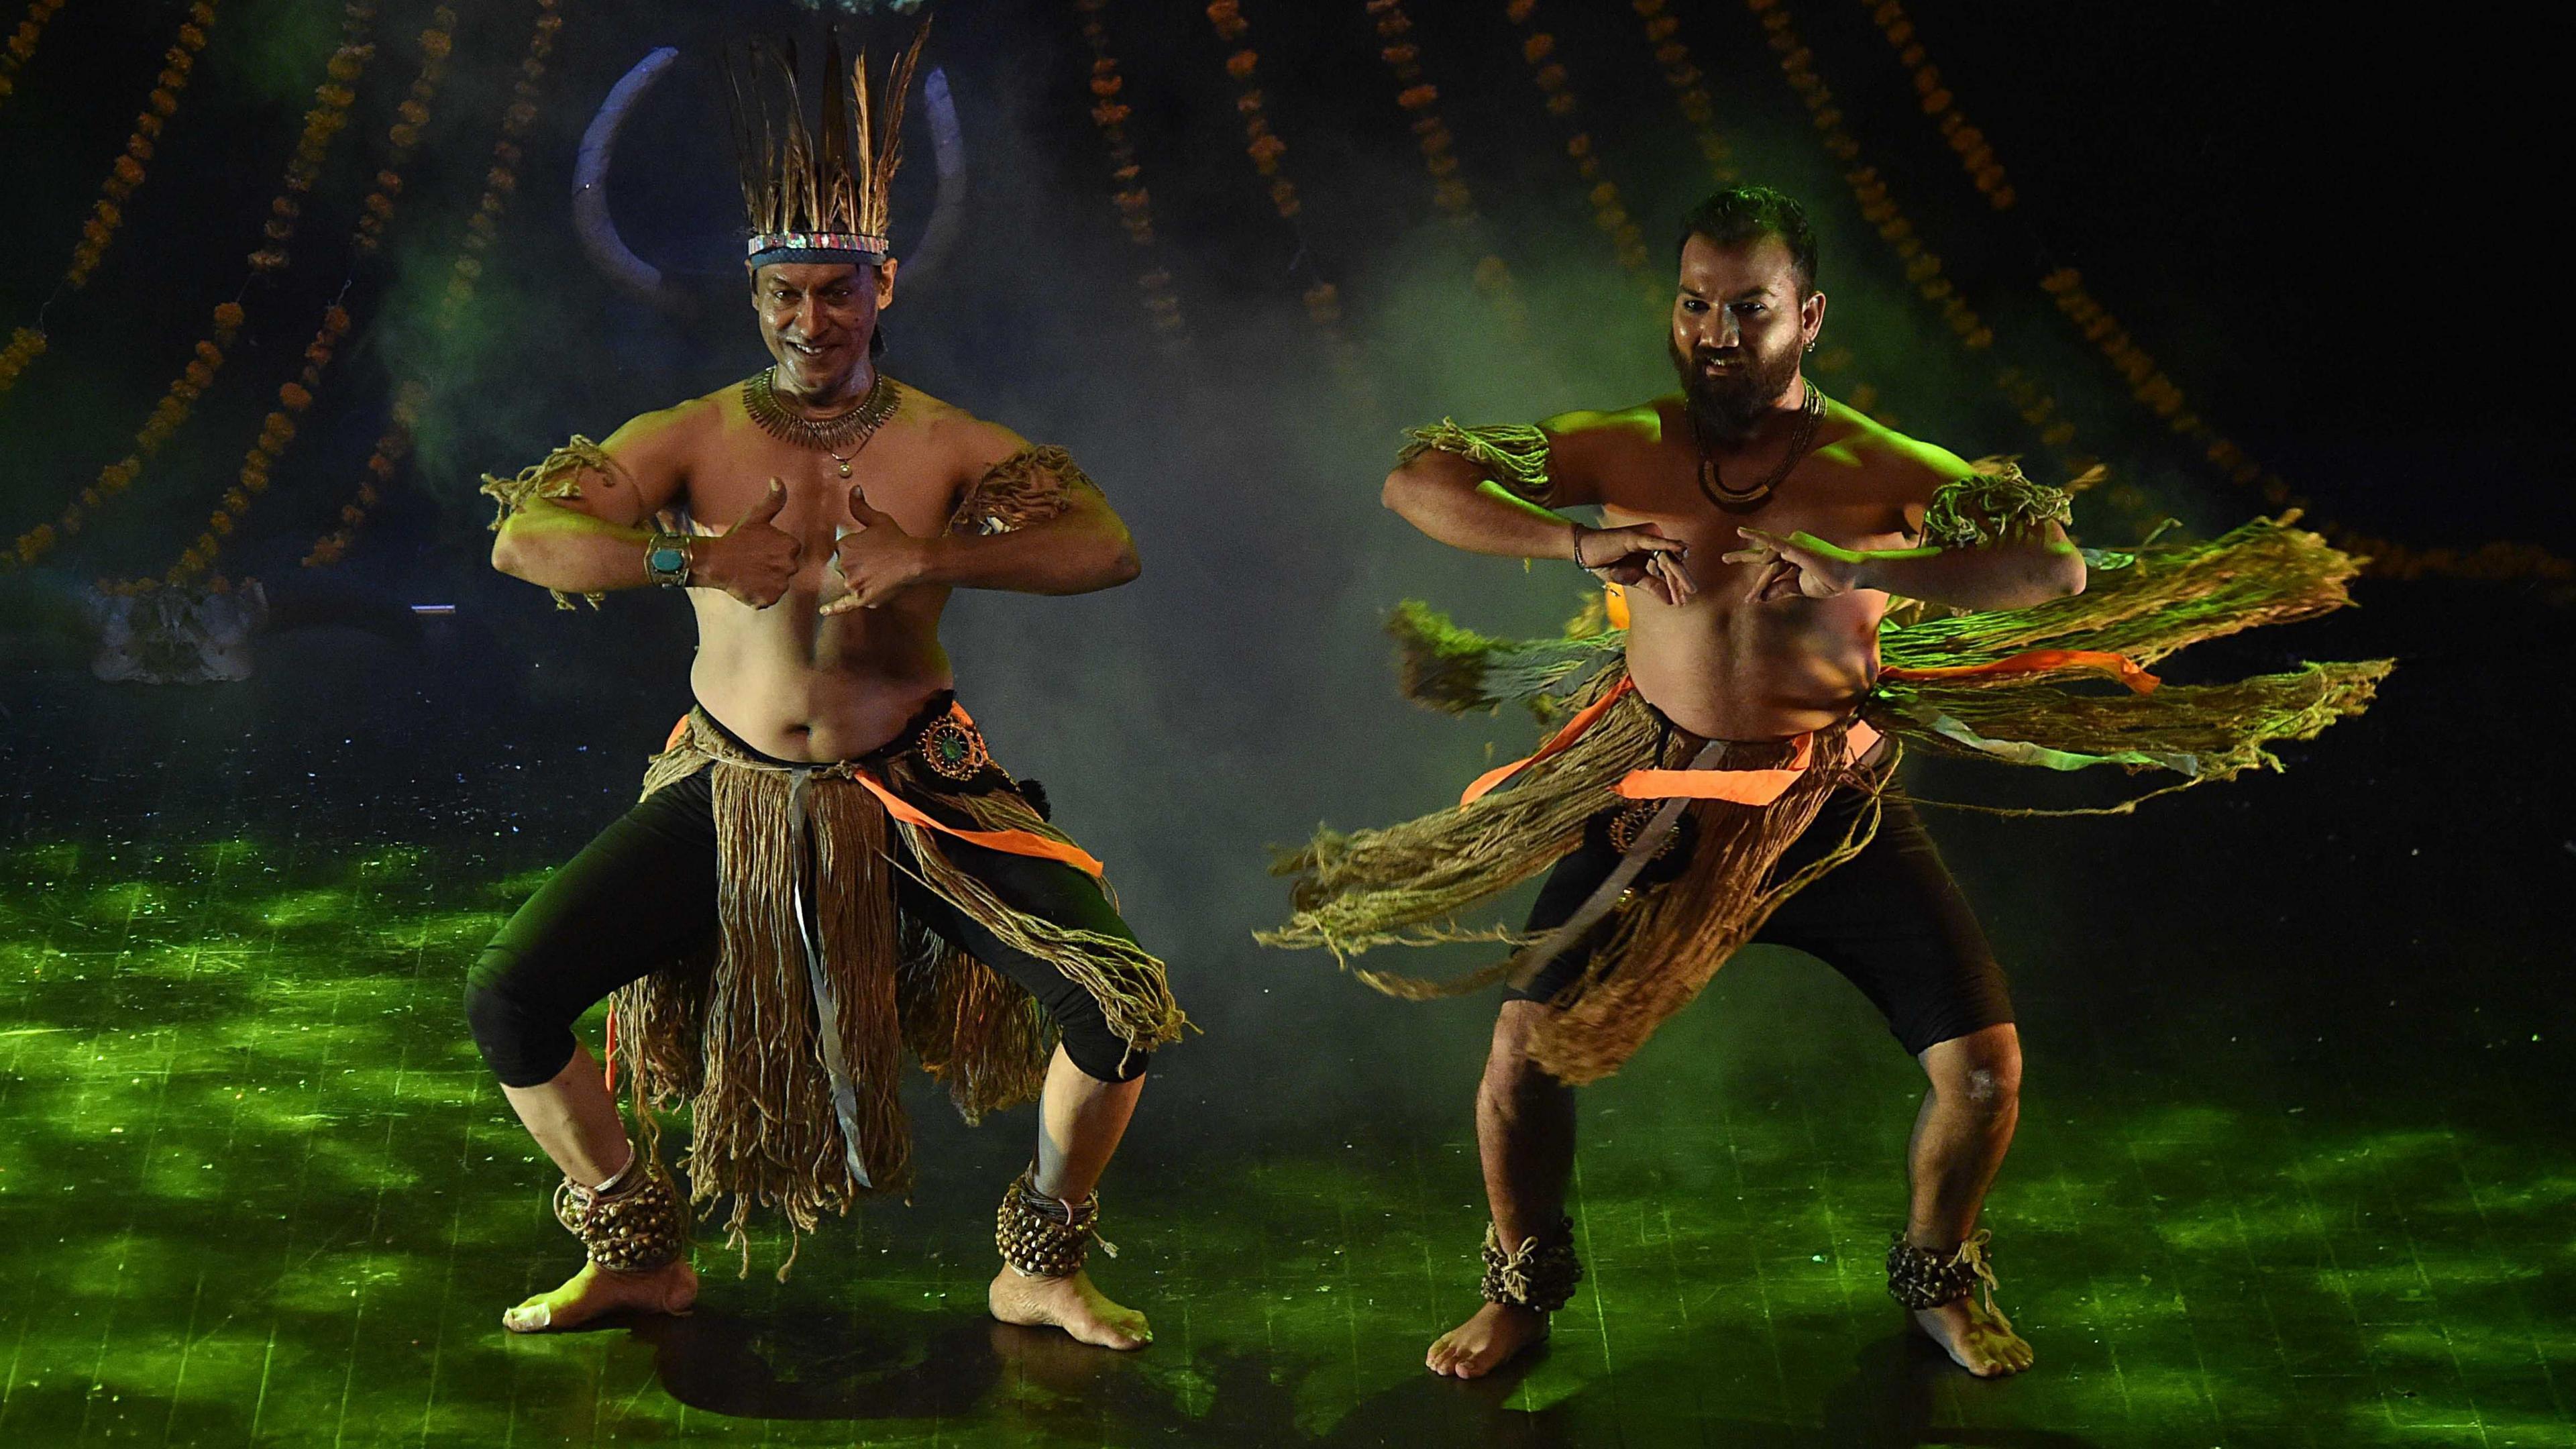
(894, 472)
(1826, 494)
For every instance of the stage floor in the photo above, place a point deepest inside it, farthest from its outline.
(2291, 1168)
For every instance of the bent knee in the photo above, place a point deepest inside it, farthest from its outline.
(523, 1042)
(1990, 1083)
(1510, 1073)
(1101, 1054)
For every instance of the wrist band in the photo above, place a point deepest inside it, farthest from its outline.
(1578, 545)
(666, 560)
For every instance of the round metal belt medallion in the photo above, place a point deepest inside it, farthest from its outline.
(953, 749)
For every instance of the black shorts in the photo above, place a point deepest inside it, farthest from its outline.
(644, 893)
(1890, 919)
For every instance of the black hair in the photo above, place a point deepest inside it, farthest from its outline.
(1742, 214)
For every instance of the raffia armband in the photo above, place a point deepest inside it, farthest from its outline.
(556, 475)
(1993, 505)
(1030, 486)
(1512, 454)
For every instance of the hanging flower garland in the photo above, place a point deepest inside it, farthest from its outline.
(1688, 85)
(482, 228)
(1923, 266)
(1976, 157)
(1264, 147)
(26, 344)
(1419, 98)
(1135, 205)
(277, 431)
(1609, 211)
(210, 353)
(2156, 391)
(21, 45)
(127, 174)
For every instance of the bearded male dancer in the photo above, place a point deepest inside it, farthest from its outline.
(827, 868)
(1726, 778)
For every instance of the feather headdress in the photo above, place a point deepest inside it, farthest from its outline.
(816, 191)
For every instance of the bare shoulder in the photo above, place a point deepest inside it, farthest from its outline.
(666, 436)
(1906, 468)
(1607, 432)
(1589, 451)
(968, 443)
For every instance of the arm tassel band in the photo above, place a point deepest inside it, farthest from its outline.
(556, 475)
(1995, 504)
(1030, 486)
(1513, 455)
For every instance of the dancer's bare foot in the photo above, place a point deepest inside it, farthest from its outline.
(671, 1288)
(1980, 1339)
(1071, 1304)
(1485, 1342)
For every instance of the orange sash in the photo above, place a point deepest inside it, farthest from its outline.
(2040, 661)
(1010, 842)
(1744, 787)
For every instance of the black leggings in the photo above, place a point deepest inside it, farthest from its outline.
(643, 894)
(1890, 919)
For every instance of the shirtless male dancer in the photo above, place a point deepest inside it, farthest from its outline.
(825, 791)
(1759, 530)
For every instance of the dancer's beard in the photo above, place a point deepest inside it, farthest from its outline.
(1726, 405)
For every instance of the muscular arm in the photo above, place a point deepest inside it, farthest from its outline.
(577, 523)
(1987, 541)
(1450, 499)
(1495, 491)
(1074, 542)
(2014, 573)
(1027, 522)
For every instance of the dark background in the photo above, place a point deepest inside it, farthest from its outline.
(2322, 229)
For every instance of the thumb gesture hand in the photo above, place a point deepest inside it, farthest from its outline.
(868, 515)
(764, 512)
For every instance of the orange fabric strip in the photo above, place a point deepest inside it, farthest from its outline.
(1742, 787)
(1564, 738)
(1013, 842)
(2040, 661)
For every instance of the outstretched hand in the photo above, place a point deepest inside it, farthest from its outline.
(877, 560)
(753, 560)
(1799, 565)
(1638, 556)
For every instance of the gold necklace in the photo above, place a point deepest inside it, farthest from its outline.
(1745, 500)
(849, 430)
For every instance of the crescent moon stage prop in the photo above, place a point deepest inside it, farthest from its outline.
(596, 222)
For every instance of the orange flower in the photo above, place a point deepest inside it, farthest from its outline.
(295, 397)
(228, 315)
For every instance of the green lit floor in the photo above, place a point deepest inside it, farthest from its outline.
(257, 1190)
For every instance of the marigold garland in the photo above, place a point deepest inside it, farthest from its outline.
(1923, 266)
(21, 45)
(1264, 147)
(1609, 212)
(209, 354)
(1976, 157)
(1688, 84)
(1135, 205)
(125, 174)
(2149, 384)
(1419, 98)
(482, 228)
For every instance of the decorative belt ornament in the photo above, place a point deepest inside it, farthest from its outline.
(953, 748)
